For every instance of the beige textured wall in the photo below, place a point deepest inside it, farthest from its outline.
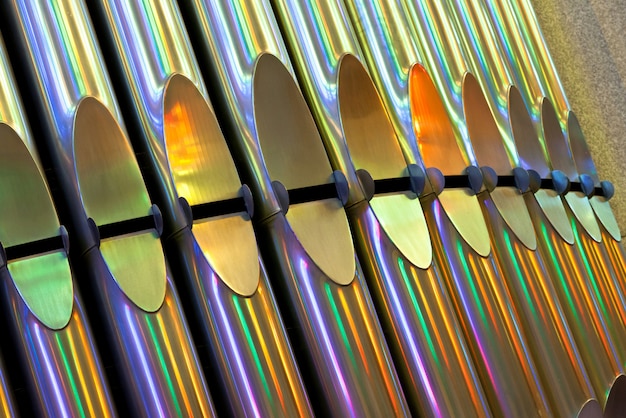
(587, 40)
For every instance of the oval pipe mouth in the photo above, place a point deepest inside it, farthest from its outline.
(436, 139)
(585, 165)
(561, 159)
(532, 156)
(591, 409)
(489, 150)
(42, 276)
(204, 172)
(555, 142)
(113, 192)
(439, 148)
(374, 147)
(482, 129)
(294, 155)
(616, 401)
(583, 161)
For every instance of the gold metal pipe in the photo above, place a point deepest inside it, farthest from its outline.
(412, 301)
(179, 131)
(275, 140)
(113, 226)
(462, 266)
(569, 265)
(44, 327)
(559, 363)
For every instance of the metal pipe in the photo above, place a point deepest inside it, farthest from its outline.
(323, 295)
(413, 304)
(114, 228)
(550, 338)
(226, 284)
(566, 263)
(386, 24)
(47, 335)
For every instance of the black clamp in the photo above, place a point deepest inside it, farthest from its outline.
(242, 203)
(519, 179)
(129, 226)
(42, 246)
(337, 189)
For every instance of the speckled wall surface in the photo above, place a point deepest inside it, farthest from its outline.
(587, 40)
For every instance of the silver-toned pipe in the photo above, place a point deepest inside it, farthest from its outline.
(188, 153)
(113, 225)
(275, 139)
(46, 333)
(411, 298)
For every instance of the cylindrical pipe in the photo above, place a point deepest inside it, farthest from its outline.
(114, 229)
(223, 278)
(465, 269)
(342, 352)
(564, 262)
(389, 230)
(47, 338)
(552, 346)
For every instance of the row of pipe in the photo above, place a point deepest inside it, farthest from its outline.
(282, 208)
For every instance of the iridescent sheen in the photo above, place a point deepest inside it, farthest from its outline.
(99, 177)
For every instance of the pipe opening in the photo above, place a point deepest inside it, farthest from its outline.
(525, 136)
(555, 142)
(294, 155)
(482, 129)
(436, 139)
(580, 150)
(204, 172)
(367, 129)
(374, 147)
(616, 401)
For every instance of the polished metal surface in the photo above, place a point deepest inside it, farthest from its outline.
(463, 270)
(489, 150)
(389, 231)
(413, 105)
(244, 336)
(585, 165)
(62, 367)
(7, 403)
(347, 366)
(181, 136)
(96, 169)
(559, 363)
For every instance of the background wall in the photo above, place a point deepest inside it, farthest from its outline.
(587, 40)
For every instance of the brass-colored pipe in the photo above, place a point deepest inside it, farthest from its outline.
(576, 292)
(347, 363)
(552, 346)
(144, 334)
(465, 270)
(45, 336)
(179, 131)
(389, 230)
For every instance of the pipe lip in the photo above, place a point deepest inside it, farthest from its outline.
(439, 148)
(293, 154)
(585, 165)
(532, 157)
(112, 190)
(203, 171)
(489, 150)
(373, 146)
(560, 157)
(436, 139)
(615, 406)
(591, 409)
